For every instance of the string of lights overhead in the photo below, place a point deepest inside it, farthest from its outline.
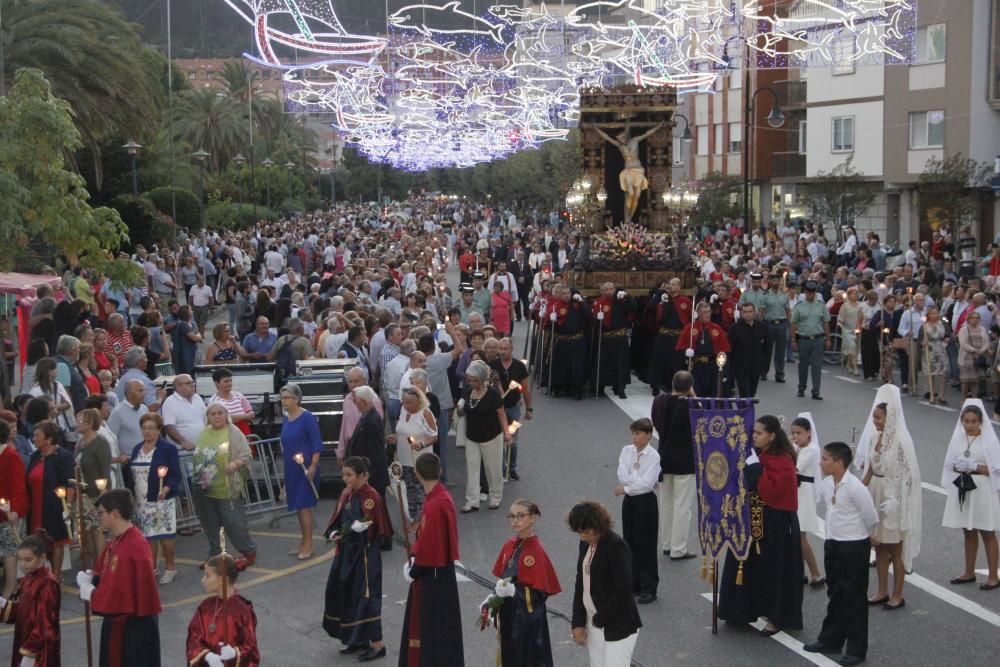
(454, 83)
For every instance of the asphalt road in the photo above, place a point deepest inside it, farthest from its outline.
(569, 452)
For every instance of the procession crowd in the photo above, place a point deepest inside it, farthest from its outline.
(96, 452)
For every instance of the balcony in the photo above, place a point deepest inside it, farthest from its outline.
(791, 94)
(790, 164)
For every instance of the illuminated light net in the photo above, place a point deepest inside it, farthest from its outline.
(456, 83)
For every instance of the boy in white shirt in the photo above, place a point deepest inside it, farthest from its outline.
(638, 471)
(850, 521)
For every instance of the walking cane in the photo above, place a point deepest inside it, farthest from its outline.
(396, 473)
(552, 349)
(80, 533)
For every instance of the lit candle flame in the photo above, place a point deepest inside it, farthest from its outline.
(162, 471)
(410, 439)
(224, 448)
(101, 484)
(885, 330)
(513, 426)
(299, 458)
(61, 492)
(514, 386)
(524, 361)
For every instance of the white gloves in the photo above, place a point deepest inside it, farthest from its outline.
(552, 316)
(621, 295)
(714, 298)
(689, 353)
(86, 590)
(226, 652)
(406, 571)
(888, 505)
(752, 457)
(27, 662)
(504, 589)
(214, 660)
(577, 298)
(3, 602)
(966, 465)
(665, 297)
(359, 526)
(84, 577)
(600, 315)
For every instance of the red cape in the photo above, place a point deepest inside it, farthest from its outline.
(124, 572)
(605, 304)
(373, 507)
(34, 611)
(534, 570)
(242, 631)
(720, 341)
(437, 531)
(778, 484)
(683, 306)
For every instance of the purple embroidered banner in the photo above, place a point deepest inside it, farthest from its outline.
(721, 431)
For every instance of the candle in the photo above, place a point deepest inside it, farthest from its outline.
(101, 484)
(61, 493)
(299, 458)
(513, 386)
(161, 472)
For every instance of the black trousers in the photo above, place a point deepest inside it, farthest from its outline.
(640, 523)
(747, 379)
(847, 596)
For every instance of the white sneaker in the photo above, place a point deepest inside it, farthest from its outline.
(168, 576)
(483, 497)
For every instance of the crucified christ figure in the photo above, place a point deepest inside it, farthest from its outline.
(632, 179)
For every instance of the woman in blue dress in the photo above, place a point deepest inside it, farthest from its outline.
(300, 435)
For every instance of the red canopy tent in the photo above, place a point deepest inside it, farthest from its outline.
(21, 287)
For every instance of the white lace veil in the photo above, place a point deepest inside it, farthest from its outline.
(957, 446)
(817, 472)
(903, 481)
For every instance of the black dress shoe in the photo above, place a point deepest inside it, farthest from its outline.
(621, 395)
(683, 556)
(801, 394)
(780, 380)
(817, 397)
(646, 598)
(514, 476)
(352, 648)
(371, 654)
(850, 660)
(666, 552)
(820, 647)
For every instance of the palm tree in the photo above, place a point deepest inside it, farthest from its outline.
(95, 61)
(214, 122)
(279, 132)
(240, 79)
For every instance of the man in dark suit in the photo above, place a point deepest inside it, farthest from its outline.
(748, 339)
(523, 276)
(368, 440)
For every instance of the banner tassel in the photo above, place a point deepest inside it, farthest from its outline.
(739, 575)
(704, 567)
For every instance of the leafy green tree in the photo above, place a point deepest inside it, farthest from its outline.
(165, 199)
(948, 190)
(212, 122)
(39, 197)
(94, 60)
(839, 196)
(718, 198)
(146, 225)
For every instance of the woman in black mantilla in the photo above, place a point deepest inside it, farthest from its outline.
(527, 579)
(769, 582)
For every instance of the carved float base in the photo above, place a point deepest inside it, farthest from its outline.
(589, 282)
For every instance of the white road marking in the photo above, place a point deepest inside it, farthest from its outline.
(938, 407)
(790, 642)
(847, 379)
(934, 488)
(954, 599)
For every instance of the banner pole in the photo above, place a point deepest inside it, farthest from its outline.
(715, 597)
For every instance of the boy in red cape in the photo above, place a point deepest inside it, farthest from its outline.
(223, 630)
(432, 624)
(527, 579)
(122, 588)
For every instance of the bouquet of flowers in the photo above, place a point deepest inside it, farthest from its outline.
(205, 468)
(629, 246)
(489, 609)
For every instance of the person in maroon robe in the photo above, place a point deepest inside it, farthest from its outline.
(223, 630)
(432, 624)
(701, 341)
(33, 609)
(122, 588)
(527, 580)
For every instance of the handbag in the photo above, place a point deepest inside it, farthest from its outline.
(965, 484)
(900, 343)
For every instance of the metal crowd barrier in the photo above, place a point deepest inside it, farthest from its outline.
(262, 490)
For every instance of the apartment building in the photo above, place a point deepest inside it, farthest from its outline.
(888, 119)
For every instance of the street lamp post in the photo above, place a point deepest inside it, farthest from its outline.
(133, 151)
(239, 160)
(267, 164)
(289, 166)
(775, 119)
(201, 155)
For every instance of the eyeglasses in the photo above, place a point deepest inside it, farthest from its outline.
(520, 516)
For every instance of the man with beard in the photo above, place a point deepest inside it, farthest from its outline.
(749, 339)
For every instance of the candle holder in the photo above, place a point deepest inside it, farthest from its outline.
(161, 472)
(513, 386)
(5, 508)
(101, 484)
(513, 427)
(301, 460)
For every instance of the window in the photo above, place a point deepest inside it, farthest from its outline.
(703, 140)
(931, 44)
(717, 149)
(927, 129)
(843, 55)
(803, 133)
(843, 134)
(735, 137)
